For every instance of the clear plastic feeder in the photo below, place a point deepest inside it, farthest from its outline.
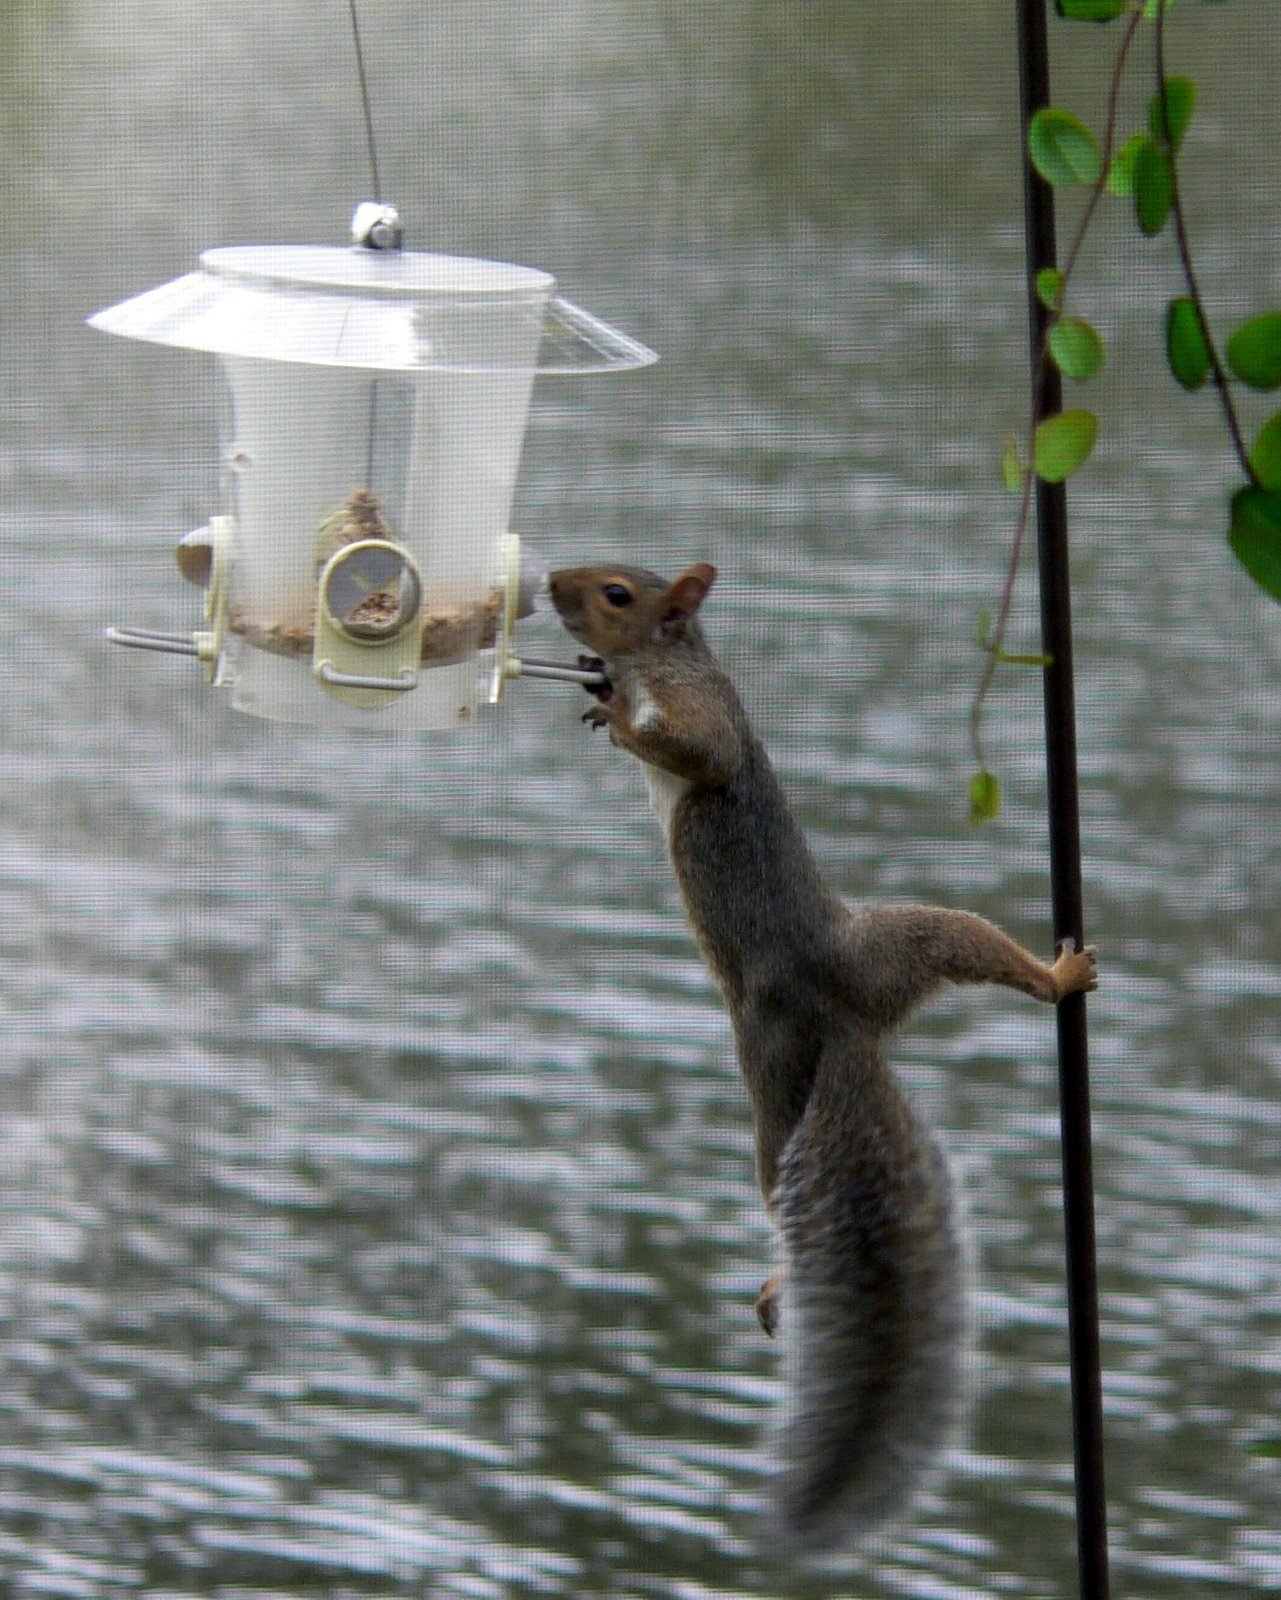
(379, 401)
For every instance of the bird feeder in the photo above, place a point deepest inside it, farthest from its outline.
(362, 572)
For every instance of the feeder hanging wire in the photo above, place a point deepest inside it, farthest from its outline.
(363, 80)
(1065, 857)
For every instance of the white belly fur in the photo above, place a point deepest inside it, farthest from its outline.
(665, 789)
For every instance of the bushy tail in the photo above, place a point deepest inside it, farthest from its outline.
(873, 1315)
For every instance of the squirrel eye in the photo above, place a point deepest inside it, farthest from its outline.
(617, 595)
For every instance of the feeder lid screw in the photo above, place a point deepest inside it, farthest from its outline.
(376, 226)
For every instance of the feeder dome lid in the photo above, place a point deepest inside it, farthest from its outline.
(390, 310)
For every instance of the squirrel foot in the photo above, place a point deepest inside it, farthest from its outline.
(1076, 971)
(767, 1304)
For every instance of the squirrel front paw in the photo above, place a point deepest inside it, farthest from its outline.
(1076, 971)
(602, 691)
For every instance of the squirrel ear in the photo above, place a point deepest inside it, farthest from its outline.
(689, 591)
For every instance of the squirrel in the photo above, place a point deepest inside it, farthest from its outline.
(872, 1296)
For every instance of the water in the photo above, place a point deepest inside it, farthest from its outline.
(376, 1212)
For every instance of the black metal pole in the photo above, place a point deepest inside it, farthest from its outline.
(1065, 863)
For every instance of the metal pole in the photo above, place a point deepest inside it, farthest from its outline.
(1065, 862)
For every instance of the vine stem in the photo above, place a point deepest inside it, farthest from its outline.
(1217, 372)
(993, 645)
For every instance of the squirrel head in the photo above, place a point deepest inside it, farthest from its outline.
(613, 610)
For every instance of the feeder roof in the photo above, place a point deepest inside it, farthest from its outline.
(391, 310)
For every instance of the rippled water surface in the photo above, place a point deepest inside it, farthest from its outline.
(376, 1208)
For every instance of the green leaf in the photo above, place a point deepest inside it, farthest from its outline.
(1060, 444)
(1049, 288)
(985, 797)
(1169, 122)
(1186, 346)
(1076, 348)
(1153, 186)
(1091, 10)
(1254, 351)
(1268, 1449)
(1265, 458)
(1062, 148)
(1152, 8)
(1255, 536)
(1011, 465)
(1121, 172)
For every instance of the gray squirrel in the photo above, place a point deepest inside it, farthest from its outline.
(871, 1300)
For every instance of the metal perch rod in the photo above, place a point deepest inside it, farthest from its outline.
(532, 667)
(173, 644)
(182, 644)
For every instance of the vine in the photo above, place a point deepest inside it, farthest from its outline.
(1066, 153)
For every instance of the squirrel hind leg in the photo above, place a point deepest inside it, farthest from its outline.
(767, 1302)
